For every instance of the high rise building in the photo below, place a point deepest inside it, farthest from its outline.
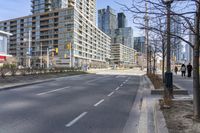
(108, 23)
(107, 20)
(177, 47)
(123, 36)
(189, 50)
(139, 44)
(68, 27)
(86, 7)
(122, 52)
(121, 17)
(41, 6)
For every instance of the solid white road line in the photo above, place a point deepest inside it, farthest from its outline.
(76, 119)
(117, 88)
(111, 94)
(99, 102)
(43, 93)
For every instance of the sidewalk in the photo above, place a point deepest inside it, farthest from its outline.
(151, 117)
(183, 83)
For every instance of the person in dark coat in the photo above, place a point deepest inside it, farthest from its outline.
(183, 70)
(176, 69)
(189, 70)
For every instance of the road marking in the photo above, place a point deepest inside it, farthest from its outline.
(121, 85)
(117, 88)
(96, 79)
(76, 119)
(124, 82)
(111, 94)
(43, 93)
(99, 102)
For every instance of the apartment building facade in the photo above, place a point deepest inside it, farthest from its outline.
(68, 26)
(122, 56)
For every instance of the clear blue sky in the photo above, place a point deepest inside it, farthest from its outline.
(17, 8)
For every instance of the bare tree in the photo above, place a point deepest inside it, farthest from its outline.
(190, 21)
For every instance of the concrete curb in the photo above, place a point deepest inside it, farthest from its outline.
(142, 128)
(176, 92)
(146, 121)
(7, 87)
(159, 120)
(24, 84)
(150, 83)
(134, 116)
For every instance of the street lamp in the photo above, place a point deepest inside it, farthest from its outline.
(168, 73)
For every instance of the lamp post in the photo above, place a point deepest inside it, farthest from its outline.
(168, 73)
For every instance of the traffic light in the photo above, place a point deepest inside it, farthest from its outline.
(56, 50)
(69, 46)
(65, 56)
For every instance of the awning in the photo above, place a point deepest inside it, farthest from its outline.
(5, 55)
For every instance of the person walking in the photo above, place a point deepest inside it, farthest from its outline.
(189, 70)
(183, 70)
(176, 69)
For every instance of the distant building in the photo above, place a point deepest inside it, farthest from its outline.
(121, 17)
(122, 56)
(109, 23)
(66, 25)
(107, 20)
(4, 45)
(189, 50)
(177, 47)
(123, 36)
(139, 44)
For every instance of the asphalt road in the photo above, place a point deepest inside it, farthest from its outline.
(78, 104)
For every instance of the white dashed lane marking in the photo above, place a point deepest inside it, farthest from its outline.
(47, 92)
(99, 102)
(76, 119)
(111, 94)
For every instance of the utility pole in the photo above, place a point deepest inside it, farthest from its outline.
(47, 58)
(70, 54)
(146, 19)
(29, 49)
(41, 54)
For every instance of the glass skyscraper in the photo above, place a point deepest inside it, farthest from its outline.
(107, 20)
(121, 20)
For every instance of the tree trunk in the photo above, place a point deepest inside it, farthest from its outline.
(196, 90)
(154, 63)
(150, 58)
(163, 62)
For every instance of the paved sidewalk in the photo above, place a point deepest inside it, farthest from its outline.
(183, 82)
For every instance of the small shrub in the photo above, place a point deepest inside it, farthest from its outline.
(13, 69)
(4, 69)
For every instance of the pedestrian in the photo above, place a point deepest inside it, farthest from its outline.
(189, 70)
(183, 70)
(176, 69)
